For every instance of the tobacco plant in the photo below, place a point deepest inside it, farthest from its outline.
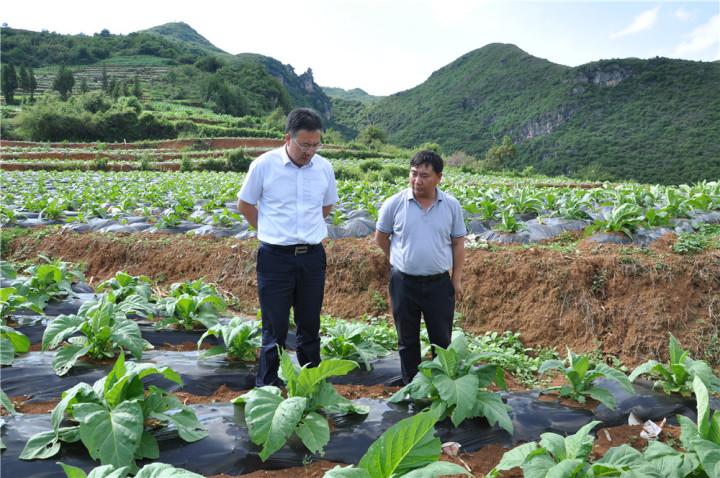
(408, 448)
(455, 385)
(580, 374)
(272, 419)
(115, 417)
(678, 374)
(104, 331)
(240, 340)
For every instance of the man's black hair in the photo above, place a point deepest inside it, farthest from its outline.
(427, 157)
(302, 118)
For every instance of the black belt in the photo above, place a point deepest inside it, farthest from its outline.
(430, 278)
(295, 249)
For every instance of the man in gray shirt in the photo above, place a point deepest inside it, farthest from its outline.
(422, 232)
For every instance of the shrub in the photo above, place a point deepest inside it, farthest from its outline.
(236, 160)
(370, 165)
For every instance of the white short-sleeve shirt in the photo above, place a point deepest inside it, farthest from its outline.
(289, 199)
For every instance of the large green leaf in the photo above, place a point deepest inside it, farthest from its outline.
(60, 328)
(187, 424)
(19, 341)
(270, 418)
(551, 365)
(603, 396)
(437, 469)
(80, 392)
(460, 392)
(347, 472)
(126, 334)
(566, 469)
(308, 378)
(67, 356)
(7, 352)
(314, 432)
(133, 374)
(162, 470)
(579, 445)
(643, 369)
(616, 375)
(448, 359)
(703, 407)
(6, 403)
(106, 471)
(148, 447)
(40, 446)
(112, 436)
(494, 410)
(407, 445)
(516, 457)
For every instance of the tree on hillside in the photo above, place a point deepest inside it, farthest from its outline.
(32, 83)
(64, 82)
(499, 156)
(210, 63)
(136, 91)
(9, 83)
(84, 86)
(104, 80)
(372, 135)
(24, 79)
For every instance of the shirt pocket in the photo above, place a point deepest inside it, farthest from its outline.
(314, 189)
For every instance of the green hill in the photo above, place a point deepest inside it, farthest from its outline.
(356, 94)
(652, 120)
(182, 32)
(173, 62)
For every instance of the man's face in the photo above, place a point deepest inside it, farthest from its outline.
(303, 146)
(424, 180)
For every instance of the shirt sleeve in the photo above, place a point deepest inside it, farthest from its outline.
(458, 222)
(252, 187)
(331, 195)
(386, 217)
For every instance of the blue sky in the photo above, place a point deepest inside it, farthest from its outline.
(385, 46)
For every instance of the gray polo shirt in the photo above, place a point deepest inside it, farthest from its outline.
(421, 240)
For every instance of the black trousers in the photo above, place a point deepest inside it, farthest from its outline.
(411, 297)
(286, 278)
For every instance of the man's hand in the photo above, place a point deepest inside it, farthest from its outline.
(457, 284)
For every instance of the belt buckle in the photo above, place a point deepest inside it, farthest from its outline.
(301, 250)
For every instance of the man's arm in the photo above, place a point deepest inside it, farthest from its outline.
(458, 254)
(383, 240)
(249, 211)
(326, 210)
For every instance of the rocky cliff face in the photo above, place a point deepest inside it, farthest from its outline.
(545, 124)
(603, 74)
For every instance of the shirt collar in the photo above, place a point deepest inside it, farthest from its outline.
(410, 197)
(287, 160)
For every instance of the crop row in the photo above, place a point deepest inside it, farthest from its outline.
(452, 385)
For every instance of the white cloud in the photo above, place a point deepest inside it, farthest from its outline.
(645, 21)
(703, 37)
(683, 15)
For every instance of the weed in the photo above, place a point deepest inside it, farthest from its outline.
(378, 300)
(599, 283)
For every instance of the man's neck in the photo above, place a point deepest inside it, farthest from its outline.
(299, 165)
(426, 201)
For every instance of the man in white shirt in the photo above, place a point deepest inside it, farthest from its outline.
(286, 196)
(422, 232)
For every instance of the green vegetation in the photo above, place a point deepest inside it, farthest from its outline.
(153, 470)
(654, 120)
(678, 375)
(240, 340)
(580, 374)
(12, 342)
(351, 341)
(407, 448)
(51, 280)
(455, 385)
(111, 416)
(272, 419)
(104, 329)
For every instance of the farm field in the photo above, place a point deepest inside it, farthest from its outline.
(609, 271)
